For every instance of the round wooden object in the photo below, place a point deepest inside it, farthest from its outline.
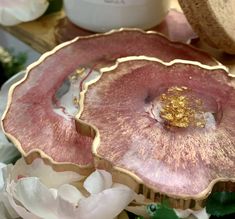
(213, 21)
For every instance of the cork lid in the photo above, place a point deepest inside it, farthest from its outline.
(213, 21)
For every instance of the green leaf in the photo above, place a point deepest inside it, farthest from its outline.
(221, 204)
(161, 211)
(16, 63)
(54, 6)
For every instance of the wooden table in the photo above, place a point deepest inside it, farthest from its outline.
(38, 34)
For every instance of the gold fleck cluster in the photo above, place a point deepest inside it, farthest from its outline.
(78, 73)
(74, 77)
(180, 109)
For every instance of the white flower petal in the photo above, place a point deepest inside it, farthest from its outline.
(22, 212)
(70, 193)
(6, 17)
(31, 199)
(35, 197)
(2, 181)
(3, 212)
(98, 181)
(7, 150)
(201, 214)
(7, 206)
(14, 12)
(182, 213)
(30, 10)
(47, 175)
(54, 192)
(65, 209)
(105, 205)
(67, 202)
(8, 210)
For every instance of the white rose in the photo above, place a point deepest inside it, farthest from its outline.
(13, 12)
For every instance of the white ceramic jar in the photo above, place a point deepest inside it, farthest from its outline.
(104, 15)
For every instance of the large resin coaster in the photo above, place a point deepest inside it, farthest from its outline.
(170, 126)
(40, 113)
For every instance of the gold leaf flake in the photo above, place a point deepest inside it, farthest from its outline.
(180, 109)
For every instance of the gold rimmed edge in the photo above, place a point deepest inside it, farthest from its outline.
(132, 180)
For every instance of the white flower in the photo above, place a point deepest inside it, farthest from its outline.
(200, 214)
(16, 11)
(7, 150)
(13, 176)
(6, 211)
(36, 191)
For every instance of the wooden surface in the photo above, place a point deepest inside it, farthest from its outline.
(38, 34)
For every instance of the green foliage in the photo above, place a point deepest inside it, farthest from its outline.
(161, 211)
(11, 63)
(14, 159)
(221, 204)
(16, 65)
(133, 216)
(54, 6)
(157, 211)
